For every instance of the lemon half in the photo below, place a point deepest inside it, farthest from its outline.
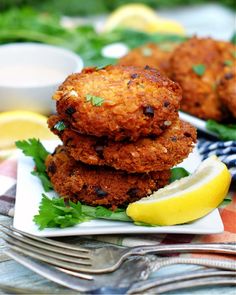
(186, 199)
(18, 125)
(141, 18)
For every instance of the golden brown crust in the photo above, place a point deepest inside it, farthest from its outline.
(99, 185)
(136, 102)
(152, 54)
(227, 91)
(144, 155)
(200, 96)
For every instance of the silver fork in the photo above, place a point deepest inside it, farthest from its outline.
(103, 259)
(74, 265)
(125, 280)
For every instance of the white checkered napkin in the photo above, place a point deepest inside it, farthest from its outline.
(225, 151)
(7, 195)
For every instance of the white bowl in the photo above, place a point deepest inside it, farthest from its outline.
(31, 72)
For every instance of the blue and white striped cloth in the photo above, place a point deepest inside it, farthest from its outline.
(224, 150)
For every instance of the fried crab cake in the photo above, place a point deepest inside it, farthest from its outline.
(118, 102)
(154, 55)
(227, 91)
(95, 185)
(197, 66)
(144, 155)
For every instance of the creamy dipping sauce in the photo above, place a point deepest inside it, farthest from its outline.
(29, 75)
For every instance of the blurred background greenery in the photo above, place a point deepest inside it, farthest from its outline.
(89, 7)
(40, 21)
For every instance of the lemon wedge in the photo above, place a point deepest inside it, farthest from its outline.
(186, 199)
(16, 125)
(141, 18)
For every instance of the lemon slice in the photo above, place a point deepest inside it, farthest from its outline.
(17, 125)
(186, 199)
(166, 26)
(141, 18)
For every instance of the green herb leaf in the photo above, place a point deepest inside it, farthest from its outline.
(46, 183)
(56, 212)
(101, 67)
(225, 202)
(228, 62)
(214, 86)
(146, 51)
(199, 69)
(140, 223)
(178, 173)
(233, 52)
(34, 148)
(95, 100)
(233, 38)
(102, 212)
(225, 132)
(60, 126)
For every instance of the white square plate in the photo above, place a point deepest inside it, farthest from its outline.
(29, 194)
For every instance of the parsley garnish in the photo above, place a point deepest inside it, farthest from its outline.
(146, 51)
(34, 148)
(178, 173)
(101, 67)
(233, 52)
(199, 69)
(140, 223)
(95, 100)
(228, 62)
(60, 126)
(56, 212)
(225, 202)
(225, 132)
(233, 38)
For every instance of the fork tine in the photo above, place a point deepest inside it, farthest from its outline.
(39, 243)
(45, 240)
(52, 261)
(50, 272)
(47, 252)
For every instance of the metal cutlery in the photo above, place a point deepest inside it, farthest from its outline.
(109, 258)
(126, 280)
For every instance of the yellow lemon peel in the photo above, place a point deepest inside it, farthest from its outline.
(186, 199)
(18, 125)
(141, 18)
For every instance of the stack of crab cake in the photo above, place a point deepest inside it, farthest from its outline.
(121, 135)
(204, 68)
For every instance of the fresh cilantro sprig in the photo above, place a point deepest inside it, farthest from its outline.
(60, 126)
(228, 62)
(233, 53)
(56, 212)
(225, 132)
(225, 202)
(34, 148)
(95, 100)
(178, 173)
(199, 69)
